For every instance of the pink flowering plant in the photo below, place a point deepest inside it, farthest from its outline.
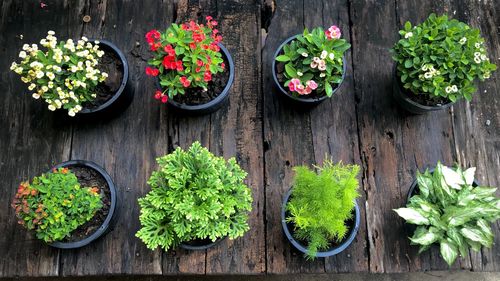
(184, 56)
(314, 61)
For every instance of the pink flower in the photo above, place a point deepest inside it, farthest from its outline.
(314, 64)
(307, 91)
(312, 85)
(300, 89)
(293, 84)
(333, 32)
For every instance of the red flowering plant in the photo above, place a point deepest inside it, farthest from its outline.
(55, 204)
(184, 56)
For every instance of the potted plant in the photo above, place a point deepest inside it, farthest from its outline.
(310, 67)
(450, 209)
(68, 207)
(196, 200)
(86, 77)
(320, 216)
(437, 63)
(191, 66)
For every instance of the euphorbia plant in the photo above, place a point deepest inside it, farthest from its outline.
(65, 74)
(451, 211)
(184, 56)
(441, 58)
(194, 195)
(55, 204)
(314, 61)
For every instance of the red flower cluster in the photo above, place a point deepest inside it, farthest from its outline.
(173, 53)
(161, 96)
(185, 82)
(150, 71)
(152, 38)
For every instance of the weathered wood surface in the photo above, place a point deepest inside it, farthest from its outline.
(361, 124)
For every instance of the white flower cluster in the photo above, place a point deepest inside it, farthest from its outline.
(429, 72)
(451, 89)
(65, 76)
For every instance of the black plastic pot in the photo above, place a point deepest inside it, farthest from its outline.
(294, 99)
(123, 96)
(112, 214)
(200, 245)
(402, 97)
(212, 105)
(333, 250)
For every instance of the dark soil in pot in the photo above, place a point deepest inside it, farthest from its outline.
(197, 96)
(88, 177)
(200, 244)
(112, 65)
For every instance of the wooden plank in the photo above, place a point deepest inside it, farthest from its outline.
(237, 132)
(381, 128)
(334, 129)
(476, 125)
(33, 138)
(288, 142)
(125, 146)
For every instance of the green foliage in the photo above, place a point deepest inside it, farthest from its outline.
(314, 56)
(441, 58)
(55, 204)
(450, 211)
(194, 195)
(321, 202)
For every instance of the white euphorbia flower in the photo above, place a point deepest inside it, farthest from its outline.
(469, 175)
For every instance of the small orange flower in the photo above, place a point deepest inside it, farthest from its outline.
(94, 190)
(64, 170)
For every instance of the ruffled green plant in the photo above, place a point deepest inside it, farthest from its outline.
(194, 195)
(441, 58)
(450, 211)
(321, 203)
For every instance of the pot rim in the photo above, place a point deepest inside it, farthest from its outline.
(219, 99)
(303, 100)
(105, 225)
(123, 84)
(333, 251)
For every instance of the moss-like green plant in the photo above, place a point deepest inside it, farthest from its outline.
(194, 195)
(321, 203)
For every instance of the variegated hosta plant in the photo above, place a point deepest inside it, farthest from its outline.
(451, 211)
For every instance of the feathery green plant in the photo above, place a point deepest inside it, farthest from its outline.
(321, 202)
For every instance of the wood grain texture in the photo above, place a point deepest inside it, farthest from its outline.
(476, 125)
(361, 124)
(32, 139)
(125, 146)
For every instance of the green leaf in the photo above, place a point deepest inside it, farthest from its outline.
(426, 237)
(448, 251)
(408, 63)
(476, 235)
(328, 89)
(283, 58)
(407, 26)
(412, 216)
(290, 71)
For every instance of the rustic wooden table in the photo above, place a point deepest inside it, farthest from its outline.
(360, 124)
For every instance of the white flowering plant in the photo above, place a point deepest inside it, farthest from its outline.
(314, 61)
(64, 74)
(441, 58)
